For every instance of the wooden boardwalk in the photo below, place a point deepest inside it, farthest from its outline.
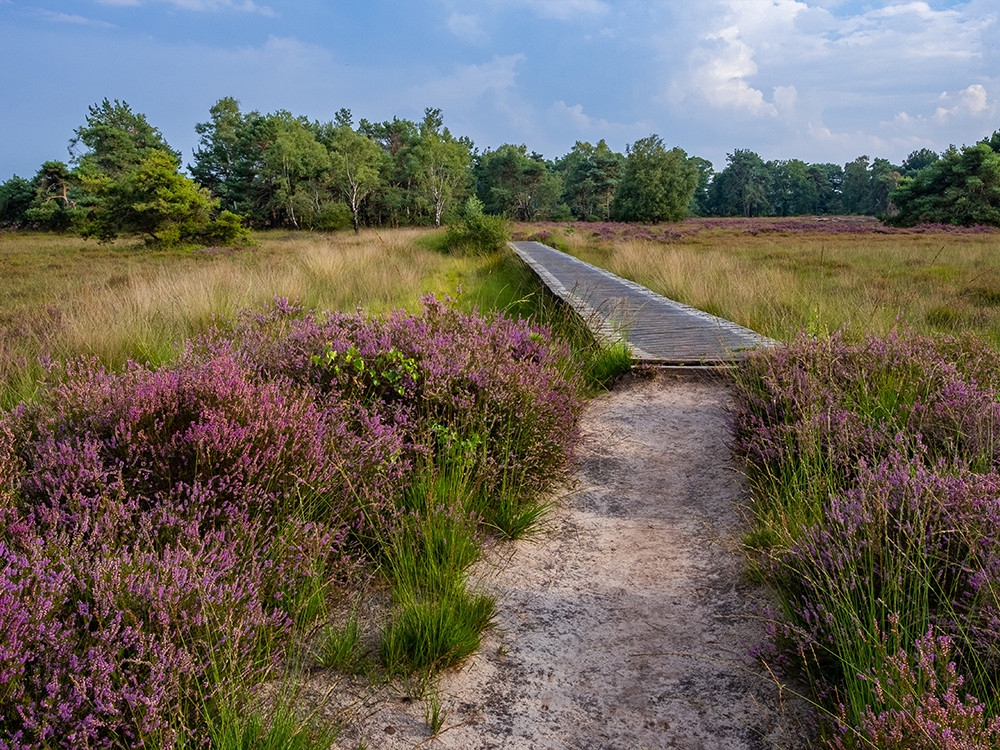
(659, 330)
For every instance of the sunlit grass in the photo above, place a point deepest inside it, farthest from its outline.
(778, 282)
(64, 297)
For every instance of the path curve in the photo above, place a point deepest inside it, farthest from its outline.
(625, 623)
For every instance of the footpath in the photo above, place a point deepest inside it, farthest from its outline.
(626, 622)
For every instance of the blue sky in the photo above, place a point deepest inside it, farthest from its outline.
(818, 80)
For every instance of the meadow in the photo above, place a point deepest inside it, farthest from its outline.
(780, 276)
(201, 471)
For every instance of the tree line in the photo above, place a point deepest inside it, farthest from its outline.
(283, 170)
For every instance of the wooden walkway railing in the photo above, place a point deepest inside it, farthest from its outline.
(658, 330)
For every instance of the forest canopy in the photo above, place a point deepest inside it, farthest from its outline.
(284, 170)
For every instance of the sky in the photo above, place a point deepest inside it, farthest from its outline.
(817, 80)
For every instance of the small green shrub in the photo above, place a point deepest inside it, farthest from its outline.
(477, 232)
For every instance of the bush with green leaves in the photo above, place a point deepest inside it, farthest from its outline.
(477, 232)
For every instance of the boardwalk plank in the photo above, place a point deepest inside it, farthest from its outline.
(658, 329)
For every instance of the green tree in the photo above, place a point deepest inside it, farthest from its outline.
(700, 205)
(441, 164)
(962, 188)
(356, 167)
(296, 167)
(58, 197)
(154, 200)
(884, 177)
(792, 189)
(741, 189)
(590, 177)
(398, 200)
(114, 139)
(857, 189)
(515, 184)
(229, 156)
(16, 197)
(828, 179)
(916, 161)
(656, 184)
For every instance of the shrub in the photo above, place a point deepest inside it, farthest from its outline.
(477, 232)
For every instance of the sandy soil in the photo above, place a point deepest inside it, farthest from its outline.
(625, 623)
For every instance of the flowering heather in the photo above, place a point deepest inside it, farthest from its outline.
(158, 527)
(876, 469)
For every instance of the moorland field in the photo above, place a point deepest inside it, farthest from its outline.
(193, 498)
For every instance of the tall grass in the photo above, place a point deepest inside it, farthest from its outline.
(778, 279)
(876, 499)
(63, 297)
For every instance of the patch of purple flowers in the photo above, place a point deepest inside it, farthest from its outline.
(157, 523)
(885, 452)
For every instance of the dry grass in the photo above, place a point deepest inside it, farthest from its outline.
(64, 297)
(781, 282)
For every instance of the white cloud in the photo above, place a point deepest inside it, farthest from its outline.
(242, 6)
(785, 98)
(720, 73)
(76, 20)
(971, 102)
(466, 27)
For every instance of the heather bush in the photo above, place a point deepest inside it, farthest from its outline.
(444, 378)
(168, 535)
(876, 493)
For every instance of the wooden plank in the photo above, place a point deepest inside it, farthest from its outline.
(658, 329)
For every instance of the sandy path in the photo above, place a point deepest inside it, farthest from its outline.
(625, 623)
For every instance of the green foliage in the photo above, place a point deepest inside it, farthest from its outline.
(296, 167)
(385, 377)
(116, 139)
(590, 178)
(228, 158)
(477, 232)
(57, 194)
(227, 229)
(917, 160)
(699, 205)
(156, 201)
(152, 200)
(332, 217)
(792, 189)
(356, 164)
(741, 189)
(16, 197)
(440, 163)
(434, 634)
(515, 184)
(235, 728)
(656, 185)
(341, 648)
(962, 188)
